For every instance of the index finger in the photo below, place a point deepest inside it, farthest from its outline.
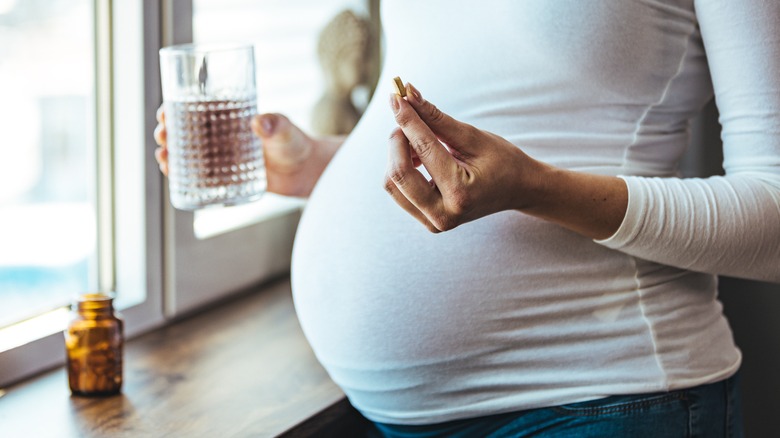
(161, 114)
(446, 128)
(433, 155)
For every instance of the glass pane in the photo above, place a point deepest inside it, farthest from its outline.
(47, 211)
(289, 77)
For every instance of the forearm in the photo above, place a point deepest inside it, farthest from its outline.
(719, 225)
(591, 205)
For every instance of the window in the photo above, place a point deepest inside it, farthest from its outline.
(83, 206)
(47, 141)
(289, 80)
(76, 211)
(217, 251)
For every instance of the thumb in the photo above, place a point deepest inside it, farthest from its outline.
(266, 126)
(283, 142)
(454, 133)
(276, 130)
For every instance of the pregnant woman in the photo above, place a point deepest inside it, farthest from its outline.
(509, 250)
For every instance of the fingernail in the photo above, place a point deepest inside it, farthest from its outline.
(415, 94)
(394, 103)
(263, 124)
(268, 126)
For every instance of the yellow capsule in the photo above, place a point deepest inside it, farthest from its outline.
(399, 86)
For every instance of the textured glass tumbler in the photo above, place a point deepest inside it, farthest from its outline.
(210, 98)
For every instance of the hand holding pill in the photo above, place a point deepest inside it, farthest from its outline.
(474, 173)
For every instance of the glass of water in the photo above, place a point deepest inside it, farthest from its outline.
(210, 98)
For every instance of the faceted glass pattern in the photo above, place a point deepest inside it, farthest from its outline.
(214, 157)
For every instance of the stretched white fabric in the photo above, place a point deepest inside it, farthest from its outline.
(511, 312)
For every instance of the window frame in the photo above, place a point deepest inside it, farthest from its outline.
(201, 271)
(130, 263)
(154, 261)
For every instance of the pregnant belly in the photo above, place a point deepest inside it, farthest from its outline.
(378, 288)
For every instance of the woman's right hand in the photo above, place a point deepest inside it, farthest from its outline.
(292, 158)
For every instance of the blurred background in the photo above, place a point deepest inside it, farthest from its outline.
(47, 212)
(48, 164)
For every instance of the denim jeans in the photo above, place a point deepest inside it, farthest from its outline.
(709, 411)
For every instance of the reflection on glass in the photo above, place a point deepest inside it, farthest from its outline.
(47, 213)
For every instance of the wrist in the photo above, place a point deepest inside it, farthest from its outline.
(536, 186)
(318, 153)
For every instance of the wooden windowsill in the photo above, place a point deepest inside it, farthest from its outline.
(242, 368)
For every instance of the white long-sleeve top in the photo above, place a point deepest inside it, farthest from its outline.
(511, 312)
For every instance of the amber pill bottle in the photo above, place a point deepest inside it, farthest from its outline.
(94, 342)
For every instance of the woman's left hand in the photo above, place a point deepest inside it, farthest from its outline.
(474, 173)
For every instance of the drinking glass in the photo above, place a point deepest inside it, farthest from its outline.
(210, 98)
